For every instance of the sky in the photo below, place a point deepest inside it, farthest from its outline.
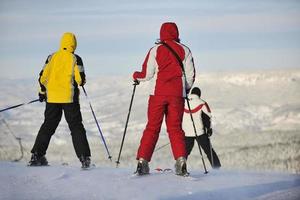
(114, 36)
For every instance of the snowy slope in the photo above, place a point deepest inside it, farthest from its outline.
(256, 118)
(69, 182)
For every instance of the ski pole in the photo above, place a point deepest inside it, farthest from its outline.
(99, 129)
(17, 138)
(208, 135)
(15, 106)
(211, 153)
(163, 146)
(195, 131)
(128, 115)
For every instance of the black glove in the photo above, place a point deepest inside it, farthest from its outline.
(209, 132)
(42, 97)
(83, 82)
(136, 82)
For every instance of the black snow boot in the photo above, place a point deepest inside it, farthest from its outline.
(37, 160)
(85, 162)
(142, 167)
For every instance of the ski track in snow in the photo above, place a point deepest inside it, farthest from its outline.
(70, 182)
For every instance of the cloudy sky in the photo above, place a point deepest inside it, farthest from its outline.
(114, 36)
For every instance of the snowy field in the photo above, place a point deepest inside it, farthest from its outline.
(256, 122)
(69, 182)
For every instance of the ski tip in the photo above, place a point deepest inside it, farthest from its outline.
(64, 164)
(163, 170)
(158, 169)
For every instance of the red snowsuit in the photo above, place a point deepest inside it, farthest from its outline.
(168, 87)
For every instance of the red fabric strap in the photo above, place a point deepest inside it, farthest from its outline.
(195, 109)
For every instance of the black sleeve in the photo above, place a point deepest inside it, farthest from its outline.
(205, 120)
(81, 68)
(43, 88)
(79, 60)
(48, 59)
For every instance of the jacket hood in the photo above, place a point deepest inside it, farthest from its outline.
(169, 31)
(68, 42)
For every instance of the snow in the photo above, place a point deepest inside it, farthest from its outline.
(256, 122)
(70, 182)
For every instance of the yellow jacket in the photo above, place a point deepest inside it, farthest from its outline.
(62, 73)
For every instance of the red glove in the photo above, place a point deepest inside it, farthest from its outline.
(135, 75)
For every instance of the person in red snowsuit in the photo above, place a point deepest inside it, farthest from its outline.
(168, 88)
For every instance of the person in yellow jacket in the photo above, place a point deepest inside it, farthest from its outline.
(59, 79)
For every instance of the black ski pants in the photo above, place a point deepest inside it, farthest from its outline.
(53, 114)
(204, 143)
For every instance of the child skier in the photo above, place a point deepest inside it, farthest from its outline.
(63, 72)
(167, 92)
(200, 111)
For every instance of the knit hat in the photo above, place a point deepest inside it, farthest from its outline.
(196, 91)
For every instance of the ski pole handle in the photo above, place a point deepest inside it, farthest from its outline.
(136, 82)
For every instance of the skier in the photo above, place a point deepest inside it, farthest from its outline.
(59, 79)
(200, 111)
(168, 89)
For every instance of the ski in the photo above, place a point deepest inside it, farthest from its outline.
(28, 165)
(163, 170)
(158, 171)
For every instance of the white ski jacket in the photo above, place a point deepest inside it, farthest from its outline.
(197, 107)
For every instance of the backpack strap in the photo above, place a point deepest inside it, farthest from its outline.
(179, 61)
(175, 54)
